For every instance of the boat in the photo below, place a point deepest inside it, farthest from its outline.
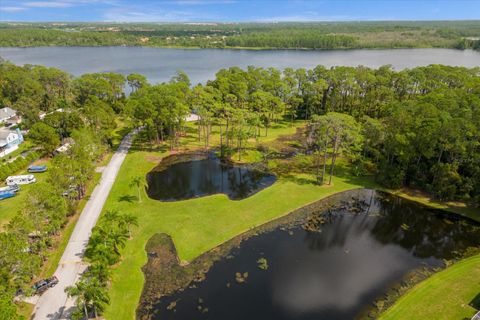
(6, 195)
(24, 179)
(12, 188)
(37, 169)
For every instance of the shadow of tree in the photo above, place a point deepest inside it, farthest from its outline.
(476, 302)
(299, 180)
(127, 198)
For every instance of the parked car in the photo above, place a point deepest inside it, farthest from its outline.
(43, 285)
(24, 179)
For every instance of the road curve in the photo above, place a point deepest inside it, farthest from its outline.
(54, 303)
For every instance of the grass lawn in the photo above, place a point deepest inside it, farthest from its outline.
(9, 207)
(198, 225)
(445, 295)
(25, 309)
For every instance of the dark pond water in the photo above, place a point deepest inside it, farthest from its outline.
(334, 273)
(203, 177)
(160, 64)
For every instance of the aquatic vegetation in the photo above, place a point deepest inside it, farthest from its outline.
(262, 263)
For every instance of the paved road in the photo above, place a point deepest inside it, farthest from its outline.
(54, 304)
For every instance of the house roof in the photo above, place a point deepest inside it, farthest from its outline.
(4, 133)
(7, 112)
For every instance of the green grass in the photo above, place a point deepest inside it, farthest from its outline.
(25, 309)
(445, 295)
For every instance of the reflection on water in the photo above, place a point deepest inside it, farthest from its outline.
(331, 274)
(197, 178)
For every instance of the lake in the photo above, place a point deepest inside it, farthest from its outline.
(159, 64)
(313, 269)
(203, 175)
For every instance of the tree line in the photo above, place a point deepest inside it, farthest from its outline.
(417, 127)
(313, 35)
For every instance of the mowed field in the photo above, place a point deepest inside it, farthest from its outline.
(449, 294)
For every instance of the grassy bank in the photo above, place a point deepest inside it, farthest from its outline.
(446, 295)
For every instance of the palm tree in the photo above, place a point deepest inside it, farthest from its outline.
(118, 237)
(138, 182)
(100, 271)
(98, 296)
(128, 220)
(111, 215)
(90, 294)
(80, 293)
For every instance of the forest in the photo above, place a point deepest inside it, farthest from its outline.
(418, 128)
(286, 35)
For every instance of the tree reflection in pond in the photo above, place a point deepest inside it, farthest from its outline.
(202, 177)
(331, 273)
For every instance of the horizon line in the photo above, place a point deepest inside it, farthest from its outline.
(239, 22)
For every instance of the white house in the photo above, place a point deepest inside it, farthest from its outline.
(9, 141)
(192, 117)
(6, 114)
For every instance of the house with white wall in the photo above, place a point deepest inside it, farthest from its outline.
(6, 114)
(9, 141)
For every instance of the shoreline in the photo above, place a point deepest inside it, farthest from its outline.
(236, 48)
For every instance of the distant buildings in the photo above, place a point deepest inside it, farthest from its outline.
(43, 114)
(9, 116)
(9, 141)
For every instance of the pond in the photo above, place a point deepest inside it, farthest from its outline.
(322, 269)
(160, 64)
(188, 176)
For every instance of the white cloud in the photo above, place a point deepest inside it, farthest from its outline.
(154, 13)
(305, 18)
(48, 4)
(11, 9)
(127, 15)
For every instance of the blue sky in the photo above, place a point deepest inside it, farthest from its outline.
(235, 10)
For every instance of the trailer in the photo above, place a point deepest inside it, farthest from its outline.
(23, 179)
(37, 169)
